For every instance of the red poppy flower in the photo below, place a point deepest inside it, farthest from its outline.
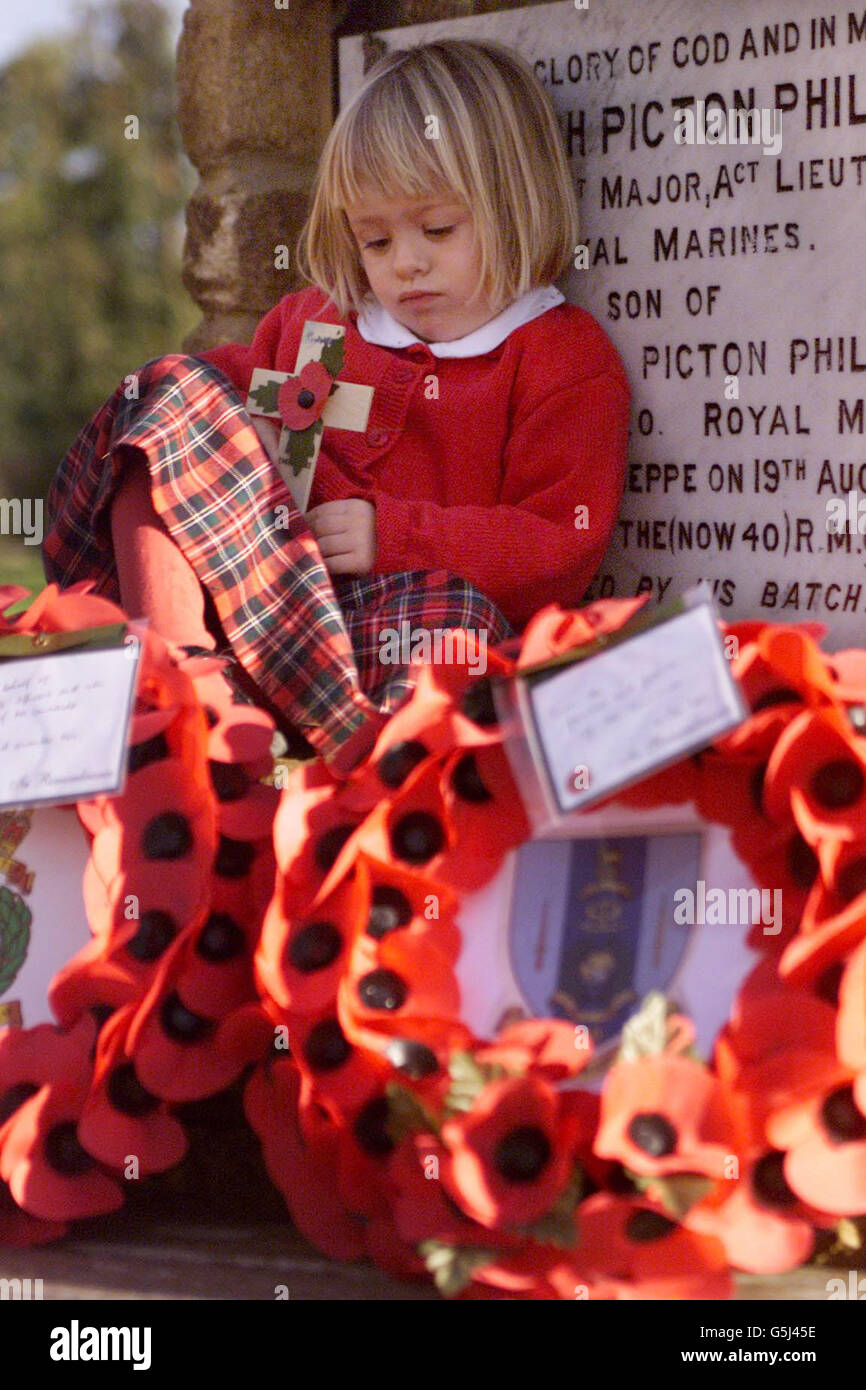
(545, 1046)
(18, 1228)
(301, 955)
(120, 1117)
(768, 1073)
(553, 630)
(48, 1171)
(762, 1225)
(664, 1114)
(302, 1169)
(401, 986)
(422, 1210)
(313, 834)
(730, 792)
(630, 1250)
(56, 610)
(834, 915)
(180, 1054)
(818, 769)
(339, 1074)
(485, 808)
(301, 399)
(826, 1162)
(507, 1160)
(449, 708)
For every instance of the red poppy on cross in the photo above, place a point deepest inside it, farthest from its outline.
(306, 400)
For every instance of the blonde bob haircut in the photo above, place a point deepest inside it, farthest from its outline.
(496, 145)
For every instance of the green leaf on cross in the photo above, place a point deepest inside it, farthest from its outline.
(265, 396)
(302, 447)
(333, 356)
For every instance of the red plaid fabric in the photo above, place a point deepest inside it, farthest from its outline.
(311, 646)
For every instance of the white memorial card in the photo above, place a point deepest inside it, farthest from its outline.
(63, 724)
(598, 723)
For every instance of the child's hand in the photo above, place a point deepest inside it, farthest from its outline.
(346, 532)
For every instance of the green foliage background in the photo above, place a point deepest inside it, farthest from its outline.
(91, 235)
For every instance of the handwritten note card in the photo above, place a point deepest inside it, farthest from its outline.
(606, 722)
(63, 724)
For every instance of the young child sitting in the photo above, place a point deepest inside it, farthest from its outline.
(490, 474)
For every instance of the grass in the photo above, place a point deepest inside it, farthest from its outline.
(21, 564)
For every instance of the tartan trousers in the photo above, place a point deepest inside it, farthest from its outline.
(311, 645)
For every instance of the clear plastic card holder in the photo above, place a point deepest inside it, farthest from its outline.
(593, 721)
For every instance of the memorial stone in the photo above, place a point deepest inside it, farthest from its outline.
(720, 251)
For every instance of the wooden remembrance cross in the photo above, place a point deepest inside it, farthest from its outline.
(347, 406)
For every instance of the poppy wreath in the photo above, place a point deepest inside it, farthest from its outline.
(160, 1006)
(394, 1133)
(310, 938)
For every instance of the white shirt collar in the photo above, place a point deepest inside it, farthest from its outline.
(376, 325)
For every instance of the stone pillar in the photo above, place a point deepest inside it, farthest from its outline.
(255, 104)
(254, 109)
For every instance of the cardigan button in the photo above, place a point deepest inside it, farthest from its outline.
(377, 437)
(404, 372)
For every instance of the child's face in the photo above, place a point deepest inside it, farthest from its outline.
(422, 244)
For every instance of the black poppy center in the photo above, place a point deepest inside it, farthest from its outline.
(782, 695)
(837, 784)
(389, 909)
(328, 846)
(382, 989)
(64, 1153)
(126, 1093)
(842, 1120)
(315, 947)
(155, 932)
(167, 836)
(305, 398)
(326, 1047)
(802, 861)
(769, 1182)
(181, 1024)
(653, 1133)
(477, 702)
(756, 787)
(398, 761)
(644, 1226)
(417, 837)
(371, 1128)
(522, 1154)
(221, 939)
(14, 1098)
(234, 857)
(467, 781)
(413, 1059)
(230, 781)
(151, 750)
